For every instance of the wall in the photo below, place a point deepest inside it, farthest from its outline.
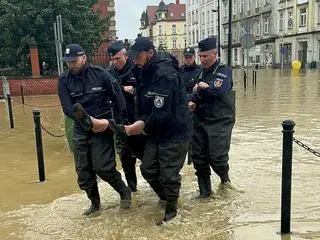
(40, 86)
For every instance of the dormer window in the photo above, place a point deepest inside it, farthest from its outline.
(171, 14)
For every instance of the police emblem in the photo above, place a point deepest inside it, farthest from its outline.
(67, 50)
(158, 101)
(217, 83)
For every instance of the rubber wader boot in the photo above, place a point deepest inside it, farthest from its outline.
(204, 187)
(93, 195)
(170, 212)
(125, 195)
(119, 131)
(132, 183)
(82, 117)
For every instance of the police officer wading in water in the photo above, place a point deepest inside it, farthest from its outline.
(85, 92)
(124, 70)
(213, 107)
(162, 114)
(189, 72)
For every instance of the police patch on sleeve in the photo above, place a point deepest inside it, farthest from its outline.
(158, 101)
(218, 83)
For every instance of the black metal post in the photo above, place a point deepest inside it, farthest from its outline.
(219, 44)
(37, 129)
(244, 79)
(10, 111)
(288, 131)
(230, 34)
(22, 94)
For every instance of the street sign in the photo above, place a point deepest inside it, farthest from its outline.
(247, 41)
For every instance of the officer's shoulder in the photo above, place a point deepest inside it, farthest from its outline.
(97, 68)
(63, 76)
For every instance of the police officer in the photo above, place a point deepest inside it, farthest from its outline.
(162, 114)
(189, 72)
(213, 105)
(89, 89)
(123, 69)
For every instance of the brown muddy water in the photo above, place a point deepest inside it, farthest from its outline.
(52, 210)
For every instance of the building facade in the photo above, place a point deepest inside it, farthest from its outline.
(282, 30)
(202, 21)
(165, 25)
(105, 7)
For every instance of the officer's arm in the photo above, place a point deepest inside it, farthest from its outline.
(221, 84)
(65, 98)
(117, 98)
(165, 98)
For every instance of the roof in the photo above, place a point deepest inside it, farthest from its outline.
(176, 9)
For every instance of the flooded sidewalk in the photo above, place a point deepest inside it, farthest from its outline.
(52, 210)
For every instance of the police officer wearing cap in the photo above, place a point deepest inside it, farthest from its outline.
(213, 107)
(162, 115)
(124, 70)
(189, 72)
(92, 87)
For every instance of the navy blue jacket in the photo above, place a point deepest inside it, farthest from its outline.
(188, 75)
(162, 101)
(216, 104)
(94, 88)
(126, 77)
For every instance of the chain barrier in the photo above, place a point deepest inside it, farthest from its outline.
(30, 105)
(306, 147)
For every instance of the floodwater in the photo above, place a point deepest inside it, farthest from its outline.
(52, 210)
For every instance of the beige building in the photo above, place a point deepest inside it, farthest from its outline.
(165, 24)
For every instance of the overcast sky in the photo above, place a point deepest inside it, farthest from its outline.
(128, 13)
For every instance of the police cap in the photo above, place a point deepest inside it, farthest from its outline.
(141, 44)
(189, 51)
(207, 44)
(114, 48)
(72, 52)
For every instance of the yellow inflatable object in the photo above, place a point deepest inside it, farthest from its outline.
(296, 65)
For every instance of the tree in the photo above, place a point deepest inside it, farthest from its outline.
(24, 22)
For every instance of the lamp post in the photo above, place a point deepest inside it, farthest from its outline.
(218, 11)
(229, 33)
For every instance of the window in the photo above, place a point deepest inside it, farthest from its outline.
(160, 29)
(182, 14)
(185, 43)
(266, 25)
(241, 5)
(174, 29)
(318, 9)
(174, 43)
(257, 3)
(290, 20)
(225, 35)
(258, 29)
(249, 6)
(234, 7)
(281, 21)
(235, 55)
(172, 14)
(235, 32)
(303, 17)
(319, 50)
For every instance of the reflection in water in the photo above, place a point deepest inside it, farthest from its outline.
(52, 210)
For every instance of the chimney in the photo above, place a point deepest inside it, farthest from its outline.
(177, 1)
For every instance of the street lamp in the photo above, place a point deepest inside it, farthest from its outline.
(218, 11)
(229, 33)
